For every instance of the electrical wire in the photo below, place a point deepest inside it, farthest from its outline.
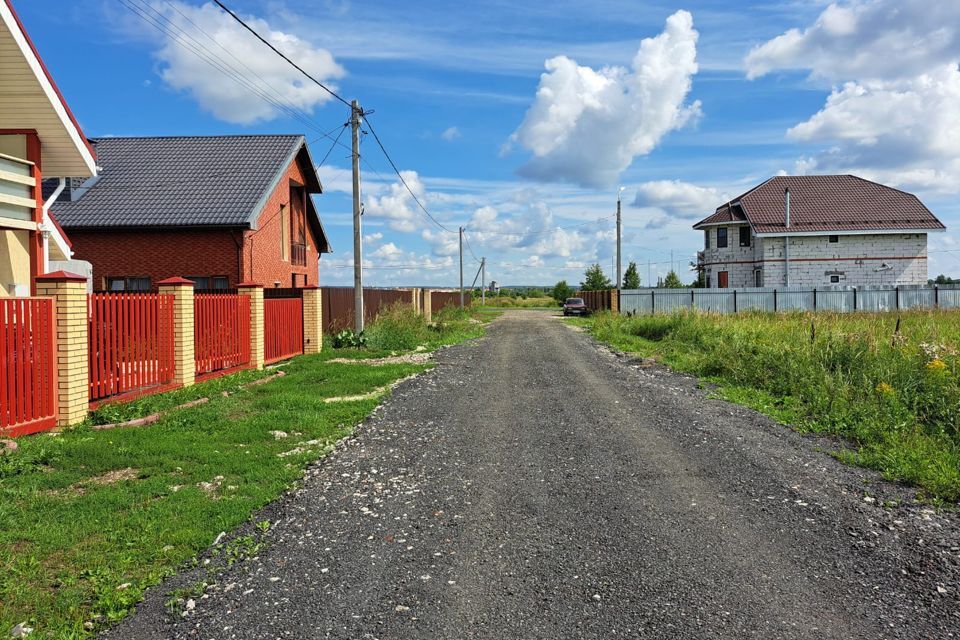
(399, 175)
(469, 248)
(155, 18)
(281, 54)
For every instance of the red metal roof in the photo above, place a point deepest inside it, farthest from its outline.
(724, 213)
(829, 203)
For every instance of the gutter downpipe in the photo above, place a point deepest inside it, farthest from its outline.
(786, 238)
(46, 226)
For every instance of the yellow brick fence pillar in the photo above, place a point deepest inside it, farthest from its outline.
(312, 320)
(184, 363)
(615, 301)
(257, 349)
(69, 292)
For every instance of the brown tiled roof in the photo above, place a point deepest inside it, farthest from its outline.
(830, 203)
(724, 213)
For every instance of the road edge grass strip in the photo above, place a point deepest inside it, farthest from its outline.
(891, 394)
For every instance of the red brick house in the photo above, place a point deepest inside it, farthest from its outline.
(219, 210)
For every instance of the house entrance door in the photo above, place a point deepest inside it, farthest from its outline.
(723, 279)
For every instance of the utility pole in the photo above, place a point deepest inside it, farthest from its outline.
(357, 231)
(461, 267)
(619, 266)
(483, 280)
(649, 281)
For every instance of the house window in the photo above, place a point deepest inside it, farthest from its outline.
(744, 236)
(708, 282)
(834, 278)
(201, 283)
(758, 278)
(833, 239)
(298, 240)
(284, 234)
(128, 284)
(220, 282)
(721, 237)
(706, 239)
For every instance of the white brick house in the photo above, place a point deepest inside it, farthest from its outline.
(841, 230)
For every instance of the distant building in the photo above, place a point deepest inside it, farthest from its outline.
(842, 230)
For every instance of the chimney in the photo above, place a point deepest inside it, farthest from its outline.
(786, 204)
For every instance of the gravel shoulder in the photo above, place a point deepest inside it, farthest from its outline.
(536, 485)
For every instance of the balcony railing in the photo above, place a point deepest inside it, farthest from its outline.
(298, 254)
(16, 188)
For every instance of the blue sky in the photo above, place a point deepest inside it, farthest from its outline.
(521, 120)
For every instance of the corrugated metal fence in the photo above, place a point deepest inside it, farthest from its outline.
(840, 299)
(338, 305)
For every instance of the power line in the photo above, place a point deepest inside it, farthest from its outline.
(402, 180)
(168, 27)
(388, 266)
(281, 54)
(469, 248)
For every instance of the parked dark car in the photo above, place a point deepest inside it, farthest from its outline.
(575, 307)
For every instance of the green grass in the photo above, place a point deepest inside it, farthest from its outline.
(894, 395)
(78, 546)
(506, 302)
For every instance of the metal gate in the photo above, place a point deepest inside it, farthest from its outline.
(28, 401)
(282, 328)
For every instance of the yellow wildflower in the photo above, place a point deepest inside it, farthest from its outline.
(884, 389)
(936, 365)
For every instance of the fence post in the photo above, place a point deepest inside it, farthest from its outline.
(428, 305)
(69, 291)
(774, 300)
(653, 302)
(312, 320)
(615, 301)
(897, 296)
(734, 300)
(257, 349)
(814, 298)
(936, 297)
(184, 363)
(854, 298)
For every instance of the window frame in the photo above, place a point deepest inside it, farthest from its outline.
(722, 243)
(834, 239)
(126, 282)
(706, 238)
(834, 279)
(748, 242)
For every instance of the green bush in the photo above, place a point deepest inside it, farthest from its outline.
(349, 339)
(397, 328)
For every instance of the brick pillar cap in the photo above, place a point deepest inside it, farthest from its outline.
(310, 287)
(176, 281)
(61, 276)
(249, 285)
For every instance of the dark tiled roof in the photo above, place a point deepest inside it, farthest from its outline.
(182, 181)
(832, 203)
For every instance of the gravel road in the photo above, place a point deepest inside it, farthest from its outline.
(535, 485)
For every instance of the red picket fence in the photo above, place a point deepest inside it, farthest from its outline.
(27, 366)
(221, 333)
(282, 328)
(131, 344)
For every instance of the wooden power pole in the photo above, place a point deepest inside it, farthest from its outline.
(355, 113)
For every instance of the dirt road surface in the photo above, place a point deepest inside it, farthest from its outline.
(535, 485)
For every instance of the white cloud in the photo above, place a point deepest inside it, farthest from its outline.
(224, 97)
(587, 125)
(880, 39)
(397, 206)
(895, 116)
(450, 134)
(372, 238)
(388, 251)
(680, 199)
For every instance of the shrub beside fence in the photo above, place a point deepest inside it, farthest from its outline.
(28, 400)
(130, 344)
(338, 305)
(838, 299)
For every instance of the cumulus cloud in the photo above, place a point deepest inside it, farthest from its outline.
(586, 125)
(450, 134)
(895, 114)
(220, 94)
(397, 207)
(881, 39)
(680, 199)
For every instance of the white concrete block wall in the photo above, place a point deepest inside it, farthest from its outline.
(814, 259)
(737, 261)
(853, 259)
